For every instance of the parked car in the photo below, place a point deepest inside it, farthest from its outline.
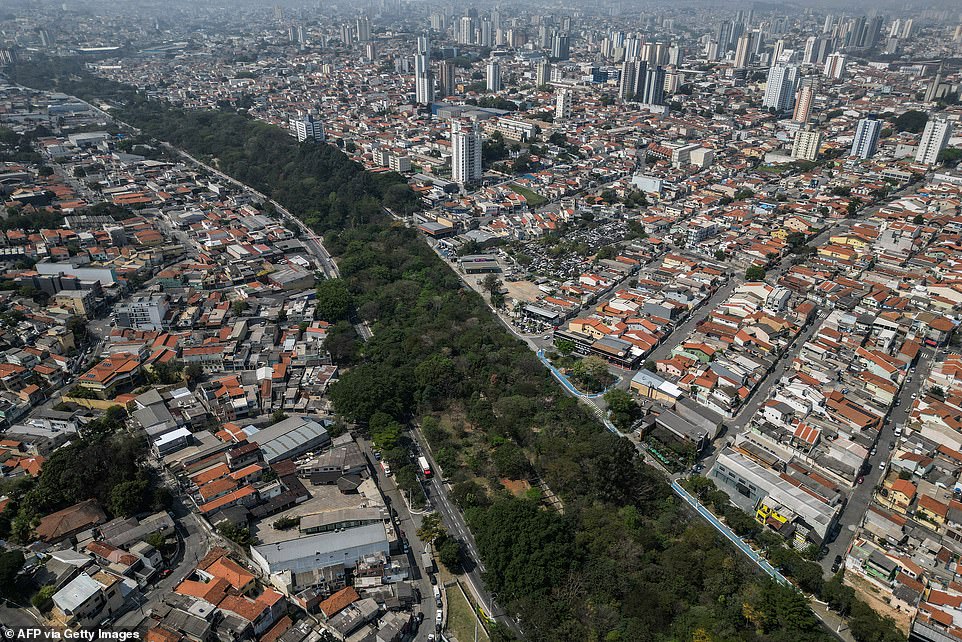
(874, 451)
(859, 480)
(837, 564)
(165, 573)
(891, 445)
(881, 465)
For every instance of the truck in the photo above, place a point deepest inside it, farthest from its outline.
(425, 467)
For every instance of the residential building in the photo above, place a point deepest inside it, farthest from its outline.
(306, 127)
(835, 65)
(803, 103)
(866, 137)
(934, 139)
(493, 75)
(143, 313)
(562, 110)
(423, 82)
(806, 145)
(780, 89)
(466, 155)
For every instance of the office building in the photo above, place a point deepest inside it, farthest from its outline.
(743, 51)
(835, 65)
(806, 144)
(866, 137)
(803, 103)
(934, 139)
(562, 109)
(423, 82)
(306, 127)
(542, 73)
(465, 154)
(780, 90)
(446, 77)
(493, 75)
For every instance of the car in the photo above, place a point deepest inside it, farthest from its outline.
(165, 573)
(874, 451)
(377, 455)
(915, 395)
(837, 564)
(420, 617)
(859, 480)
(433, 579)
(891, 445)
(881, 465)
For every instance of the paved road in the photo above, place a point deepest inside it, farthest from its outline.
(409, 523)
(453, 520)
(861, 496)
(195, 540)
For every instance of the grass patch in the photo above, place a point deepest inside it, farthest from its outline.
(534, 199)
(461, 618)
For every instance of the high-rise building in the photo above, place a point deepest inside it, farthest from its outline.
(835, 65)
(807, 142)
(446, 78)
(934, 139)
(493, 75)
(653, 91)
(439, 21)
(487, 33)
(465, 154)
(466, 30)
(632, 79)
(780, 89)
(777, 51)
(816, 50)
(674, 55)
(562, 108)
(305, 127)
(743, 51)
(542, 73)
(423, 82)
(363, 28)
(866, 137)
(803, 103)
(561, 46)
(347, 34)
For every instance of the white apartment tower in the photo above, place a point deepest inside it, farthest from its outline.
(806, 144)
(934, 139)
(465, 154)
(305, 127)
(562, 108)
(780, 89)
(494, 76)
(423, 82)
(835, 65)
(866, 137)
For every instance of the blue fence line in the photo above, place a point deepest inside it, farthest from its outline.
(727, 532)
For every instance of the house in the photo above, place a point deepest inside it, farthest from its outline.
(68, 522)
(86, 599)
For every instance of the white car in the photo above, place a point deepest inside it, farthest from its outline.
(881, 465)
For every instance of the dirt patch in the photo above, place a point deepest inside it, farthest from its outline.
(516, 487)
(523, 291)
(873, 596)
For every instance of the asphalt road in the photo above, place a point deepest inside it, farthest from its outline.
(194, 541)
(453, 520)
(409, 523)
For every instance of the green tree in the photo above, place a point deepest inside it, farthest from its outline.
(624, 410)
(127, 498)
(42, 599)
(511, 462)
(431, 528)
(755, 273)
(911, 121)
(333, 300)
(278, 416)
(449, 552)
(564, 347)
(10, 564)
(591, 372)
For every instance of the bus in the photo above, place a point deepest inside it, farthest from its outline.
(425, 468)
